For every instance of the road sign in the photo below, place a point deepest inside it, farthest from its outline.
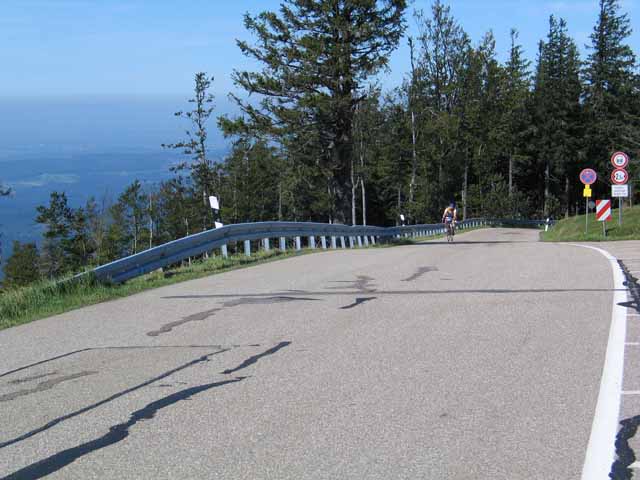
(619, 176)
(592, 204)
(619, 190)
(587, 191)
(588, 176)
(603, 210)
(619, 160)
(213, 201)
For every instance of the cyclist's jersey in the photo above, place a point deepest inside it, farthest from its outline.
(448, 214)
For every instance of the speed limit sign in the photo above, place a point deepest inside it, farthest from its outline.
(619, 176)
(619, 160)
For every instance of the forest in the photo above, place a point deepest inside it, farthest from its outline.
(318, 139)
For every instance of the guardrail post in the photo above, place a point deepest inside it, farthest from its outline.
(373, 239)
(283, 244)
(359, 241)
(298, 245)
(247, 248)
(312, 242)
(333, 242)
(366, 240)
(265, 244)
(351, 242)
(342, 243)
(223, 251)
(323, 242)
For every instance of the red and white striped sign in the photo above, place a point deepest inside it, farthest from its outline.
(603, 210)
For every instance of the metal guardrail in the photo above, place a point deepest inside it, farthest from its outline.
(330, 236)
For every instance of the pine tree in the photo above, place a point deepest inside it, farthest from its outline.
(57, 219)
(202, 169)
(317, 58)
(23, 266)
(134, 201)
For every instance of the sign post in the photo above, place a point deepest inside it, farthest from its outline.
(588, 177)
(619, 176)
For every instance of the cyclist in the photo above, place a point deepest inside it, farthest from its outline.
(449, 218)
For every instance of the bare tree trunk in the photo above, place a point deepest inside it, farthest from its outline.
(399, 206)
(150, 223)
(465, 190)
(280, 201)
(547, 193)
(414, 159)
(331, 218)
(510, 176)
(354, 185)
(361, 180)
(566, 193)
(364, 202)
(414, 154)
(135, 235)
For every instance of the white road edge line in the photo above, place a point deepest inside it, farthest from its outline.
(601, 448)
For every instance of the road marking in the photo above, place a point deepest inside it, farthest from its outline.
(632, 344)
(631, 392)
(601, 448)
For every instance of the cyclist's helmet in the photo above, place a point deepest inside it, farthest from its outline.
(452, 205)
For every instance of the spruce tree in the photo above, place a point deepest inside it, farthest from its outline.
(558, 120)
(23, 266)
(443, 55)
(57, 219)
(517, 83)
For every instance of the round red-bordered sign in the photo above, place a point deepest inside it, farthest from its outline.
(619, 176)
(619, 160)
(588, 176)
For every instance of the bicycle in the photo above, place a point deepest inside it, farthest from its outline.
(451, 230)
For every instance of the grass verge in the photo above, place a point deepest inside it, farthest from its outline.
(573, 229)
(47, 298)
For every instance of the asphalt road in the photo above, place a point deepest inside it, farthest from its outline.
(477, 360)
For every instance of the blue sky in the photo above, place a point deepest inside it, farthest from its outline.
(61, 48)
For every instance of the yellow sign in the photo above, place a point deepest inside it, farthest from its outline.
(587, 191)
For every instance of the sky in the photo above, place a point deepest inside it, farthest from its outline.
(75, 48)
